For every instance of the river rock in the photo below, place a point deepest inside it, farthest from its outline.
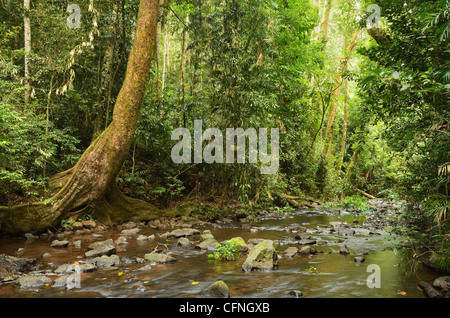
(77, 226)
(262, 257)
(121, 240)
(159, 258)
(290, 252)
(344, 250)
(28, 281)
(183, 232)
(336, 224)
(101, 248)
(106, 250)
(142, 238)
(217, 289)
(12, 267)
(359, 259)
(131, 231)
(303, 236)
(429, 291)
(307, 249)
(442, 283)
(30, 236)
(128, 225)
(183, 241)
(206, 236)
(81, 268)
(344, 231)
(306, 242)
(89, 224)
(209, 244)
(61, 281)
(296, 293)
(255, 241)
(239, 242)
(59, 244)
(101, 244)
(107, 261)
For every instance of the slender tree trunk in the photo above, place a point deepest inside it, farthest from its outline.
(91, 182)
(183, 69)
(352, 163)
(105, 82)
(165, 57)
(344, 128)
(323, 33)
(27, 40)
(343, 68)
(157, 53)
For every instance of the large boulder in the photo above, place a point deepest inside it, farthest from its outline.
(262, 257)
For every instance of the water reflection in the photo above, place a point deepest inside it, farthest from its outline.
(335, 275)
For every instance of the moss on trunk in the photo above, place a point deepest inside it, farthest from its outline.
(90, 184)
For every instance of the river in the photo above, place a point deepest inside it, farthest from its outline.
(325, 274)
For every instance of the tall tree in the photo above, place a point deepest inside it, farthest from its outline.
(91, 182)
(337, 91)
(27, 40)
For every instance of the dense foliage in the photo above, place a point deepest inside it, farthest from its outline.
(370, 121)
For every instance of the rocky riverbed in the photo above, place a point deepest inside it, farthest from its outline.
(313, 252)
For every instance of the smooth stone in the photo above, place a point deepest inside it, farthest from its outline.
(217, 289)
(130, 231)
(159, 258)
(28, 281)
(290, 252)
(59, 244)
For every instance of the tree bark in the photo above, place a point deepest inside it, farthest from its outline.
(103, 97)
(27, 43)
(91, 182)
(344, 128)
(323, 33)
(343, 68)
(183, 69)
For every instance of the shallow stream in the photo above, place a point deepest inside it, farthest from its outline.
(327, 274)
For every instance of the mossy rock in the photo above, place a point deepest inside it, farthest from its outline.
(217, 289)
(262, 257)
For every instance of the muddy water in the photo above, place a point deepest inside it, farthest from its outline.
(327, 274)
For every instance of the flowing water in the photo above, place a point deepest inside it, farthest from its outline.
(327, 274)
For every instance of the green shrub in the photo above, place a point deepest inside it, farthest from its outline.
(228, 252)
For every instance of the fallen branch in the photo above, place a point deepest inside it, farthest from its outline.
(365, 194)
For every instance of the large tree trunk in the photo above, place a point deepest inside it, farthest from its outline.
(91, 182)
